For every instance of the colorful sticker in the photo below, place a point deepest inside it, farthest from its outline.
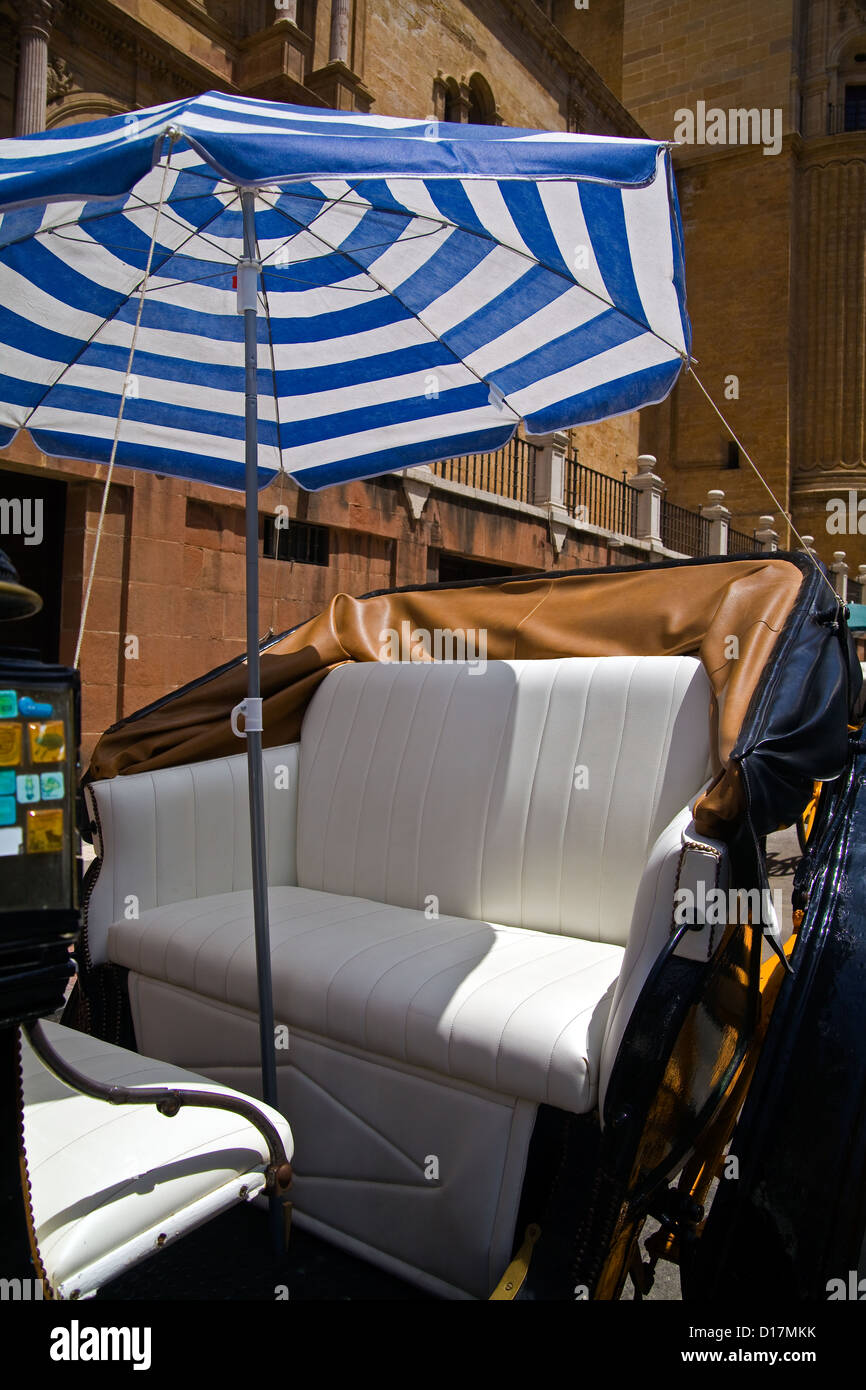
(52, 786)
(7, 782)
(8, 810)
(10, 744)
(44, 832)
(27, 787)
(8, 704)
(34, 709)
(11, 840)
(47, 742)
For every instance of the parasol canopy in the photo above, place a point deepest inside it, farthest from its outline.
(424, 286)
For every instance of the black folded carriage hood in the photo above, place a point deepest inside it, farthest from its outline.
(796, 731)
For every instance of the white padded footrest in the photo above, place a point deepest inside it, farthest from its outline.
(108, 1180)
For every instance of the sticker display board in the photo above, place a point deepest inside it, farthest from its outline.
(38, 760)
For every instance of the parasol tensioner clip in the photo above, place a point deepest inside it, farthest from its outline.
(250, 710)
(248, 284)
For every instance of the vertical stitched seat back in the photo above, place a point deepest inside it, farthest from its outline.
(526, 793)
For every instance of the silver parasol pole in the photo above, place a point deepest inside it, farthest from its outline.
(251, 707)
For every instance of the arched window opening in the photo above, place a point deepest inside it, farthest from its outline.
(482, 107)
(848, 88)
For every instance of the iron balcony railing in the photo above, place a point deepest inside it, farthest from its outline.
(684, 531)
(599, 500)
(510, 472)
(591, 497)
(848, 115)
(741, 544)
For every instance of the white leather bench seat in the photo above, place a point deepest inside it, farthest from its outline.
(520, 1012)
(472, 872)
(108, 1180)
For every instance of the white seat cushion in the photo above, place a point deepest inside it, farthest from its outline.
(521, 1013)
(108, 1180)
(529, 793)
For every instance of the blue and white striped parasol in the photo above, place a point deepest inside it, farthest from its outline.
(423, 287)
(225, 288)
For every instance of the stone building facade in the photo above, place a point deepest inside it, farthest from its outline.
(774, 256)
(775, 251)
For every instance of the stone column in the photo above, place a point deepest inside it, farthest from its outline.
(719, 517)
(766, 535)
(336, 84)
(339, 32)
(440, 96)
(37, 17)
(649, 504)
(462, 104)
(839, 571)
(861, 580)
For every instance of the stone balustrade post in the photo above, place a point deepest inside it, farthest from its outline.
(550, 463)
(839, 571)
(765, 533)
(719, 517)
(649, 503)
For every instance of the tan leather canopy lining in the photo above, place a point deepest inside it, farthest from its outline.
(729, 614)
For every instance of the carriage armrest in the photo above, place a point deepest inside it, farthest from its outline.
(679, 862)
(110, 1184)
(183, 832)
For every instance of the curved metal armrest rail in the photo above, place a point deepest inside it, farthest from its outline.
(168, 1101)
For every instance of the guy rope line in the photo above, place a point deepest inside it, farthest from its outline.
(744, 451)
(172, 135)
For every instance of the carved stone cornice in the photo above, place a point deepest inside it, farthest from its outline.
(819, 151)
(194, 12)
(160, 63)
(595, 96)
(120, 33)
(821, 477)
